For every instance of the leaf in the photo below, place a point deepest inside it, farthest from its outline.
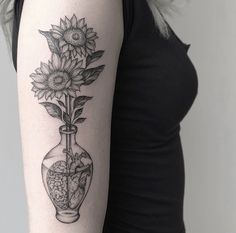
(90, 75)
(81, 100)
(53, 110)
(61, 103)
(79, 120)
(78, 112)
(53, 43)
(66, 118)
(94, 57)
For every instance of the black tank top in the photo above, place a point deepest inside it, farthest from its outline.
(156, 85)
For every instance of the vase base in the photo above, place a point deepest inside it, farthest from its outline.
(67, 216)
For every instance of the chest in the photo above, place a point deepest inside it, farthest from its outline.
(156, 80)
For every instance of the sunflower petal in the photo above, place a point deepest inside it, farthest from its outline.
(52, 95)
(50, 65)
(56, 61)
(81, 23)
(36, 93)
(79, 81)
(74, 21)
(67, 54)
(34, 89)
(63, 25)
(68, 84)
(92, 42)
(47, 94)
(71, 47)
(38, 71)
(63, 62)
(59, 94)
(91, 34)
(79, 64)
(89, 51)
(89, 30)
(65, 48)
(39, 85)
(44, 68)
(56, 35)
(83, 51)
(76, 74)
(38, 78)
(75, 87)
(41, 94)
(78, 50)
(56, 28)
(74, 53)
(68, 64)
(62, 43)
(84, 28)
(68, 23)
(71, 92)
(93, 38)
(90, 46)
(73, 64)
(55, 31)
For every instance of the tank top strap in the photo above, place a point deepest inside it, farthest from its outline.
(128, 11)
(18, 5)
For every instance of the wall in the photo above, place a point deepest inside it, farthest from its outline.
(13, 215)
(209, 130)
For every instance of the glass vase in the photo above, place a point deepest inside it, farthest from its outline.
(67, 174)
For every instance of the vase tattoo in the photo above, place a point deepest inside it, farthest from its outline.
(67, 169)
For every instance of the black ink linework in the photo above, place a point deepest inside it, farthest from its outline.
(67, 169)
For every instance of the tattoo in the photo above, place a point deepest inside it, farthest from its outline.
(67, 169)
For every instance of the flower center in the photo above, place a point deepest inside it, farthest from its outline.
(57, 81)
(75, 37)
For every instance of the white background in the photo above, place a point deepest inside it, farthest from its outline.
(208, 131)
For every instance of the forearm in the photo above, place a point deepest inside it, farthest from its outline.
(66, 157)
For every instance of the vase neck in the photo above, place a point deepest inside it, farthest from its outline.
(68, 136)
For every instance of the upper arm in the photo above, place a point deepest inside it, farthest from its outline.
(43, 98)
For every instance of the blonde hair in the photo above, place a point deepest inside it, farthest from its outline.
(158, 8)
(6, 18)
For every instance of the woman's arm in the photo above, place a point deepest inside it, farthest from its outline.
(66, 73)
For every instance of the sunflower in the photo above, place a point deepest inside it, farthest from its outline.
(74, 37)
(60, 76)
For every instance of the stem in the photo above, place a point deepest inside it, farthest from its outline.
(68, 144)
(68, 103)
(67, 127)
(70, 109)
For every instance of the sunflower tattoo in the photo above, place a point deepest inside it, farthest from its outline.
(60, 76)
(74, 37)
(67, 168)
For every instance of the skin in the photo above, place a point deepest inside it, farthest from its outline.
(40, 132)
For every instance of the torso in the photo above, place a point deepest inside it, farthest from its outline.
(155, 88)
